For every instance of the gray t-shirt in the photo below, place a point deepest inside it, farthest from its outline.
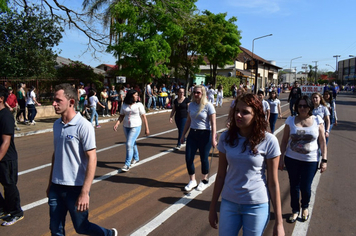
(245, 181)
(71, 141)
(200, 121)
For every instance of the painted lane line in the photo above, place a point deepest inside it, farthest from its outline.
(108, 175)
(170, 211)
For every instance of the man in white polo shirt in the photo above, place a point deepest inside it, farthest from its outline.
(73, 167)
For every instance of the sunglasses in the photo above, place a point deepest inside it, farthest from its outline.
(303, 106)
(195, 92)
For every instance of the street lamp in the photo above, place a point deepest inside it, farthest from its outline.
(290, 67)
(330, 66)
(253, 45)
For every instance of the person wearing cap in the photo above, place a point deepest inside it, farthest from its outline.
(11, 104)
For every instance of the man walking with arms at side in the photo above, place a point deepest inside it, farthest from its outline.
(73, 167)
(294, 95)
(10, 209)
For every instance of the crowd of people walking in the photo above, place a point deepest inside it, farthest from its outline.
(249, 153)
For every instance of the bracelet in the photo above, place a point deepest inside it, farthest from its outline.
(324, 160)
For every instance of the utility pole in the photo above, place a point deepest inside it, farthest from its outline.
(316, 69)
(337, 56)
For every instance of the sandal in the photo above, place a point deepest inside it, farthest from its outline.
(305, 214)
(293, 218)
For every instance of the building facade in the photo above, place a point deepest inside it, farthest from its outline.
(347, 72)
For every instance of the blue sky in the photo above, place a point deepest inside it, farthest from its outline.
(313, 29)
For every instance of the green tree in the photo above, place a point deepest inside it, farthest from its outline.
(143, 48)
(220, 40)
(26, 41)
(3, 5)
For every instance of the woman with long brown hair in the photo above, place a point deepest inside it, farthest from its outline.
(246, 150)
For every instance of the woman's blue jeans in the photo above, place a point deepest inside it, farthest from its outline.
(162, 101)
(31, 110)
(105, 109)
(94, 113)
(180, 123)
(327, 138)
(301, 175)
(62, 199)
(252, 218)
(272, 121)
(198, 140)
(131, 135)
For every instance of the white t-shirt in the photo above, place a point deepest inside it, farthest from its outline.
(93, 100)
(132, 114)
(245, 181)
(265, 106)
(274, 105)
(303, 141)
(200, 121)
(30, 98)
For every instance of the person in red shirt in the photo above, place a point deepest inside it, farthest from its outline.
(12, 104)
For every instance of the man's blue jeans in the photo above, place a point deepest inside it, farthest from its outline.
(149, 103)
(180, 122)
(253, 218)
(94, 113)
(301, 175)
(291, 107)
(62, 199)
(131, 135)
(198, 139)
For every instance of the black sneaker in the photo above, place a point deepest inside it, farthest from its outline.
(11, 220)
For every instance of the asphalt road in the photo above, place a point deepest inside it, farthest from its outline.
(149, 199)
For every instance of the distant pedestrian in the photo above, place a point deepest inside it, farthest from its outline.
(321, 110)
(247, 177)
(10, 208)
(180, 113)
(30, 103)
(201, 124)
(219, 96)
(93, 101)
(81, 97)
(104, 101)
(275, 110)
(12, 105)
(294, 95)
(114, 98)
(21, 99)
(211, 94)
(132, 115)
(265, 104)
(330, 104)
(73, 167)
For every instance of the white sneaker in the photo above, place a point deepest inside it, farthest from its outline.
(125, 168)
(203, 185)
(134, 162)
(192, 184)
(114, 232)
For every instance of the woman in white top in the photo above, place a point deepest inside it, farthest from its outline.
(30, 103)
(219, 96)
(202, 124)
(246, 151)
(81, 97)
(300, 155)
(275, 109)
(132, 114)
(321, 110)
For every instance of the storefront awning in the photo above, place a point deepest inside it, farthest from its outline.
(243, 73)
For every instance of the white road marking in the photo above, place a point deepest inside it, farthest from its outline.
(170, 211)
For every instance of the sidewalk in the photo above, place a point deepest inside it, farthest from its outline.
(45, 124)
